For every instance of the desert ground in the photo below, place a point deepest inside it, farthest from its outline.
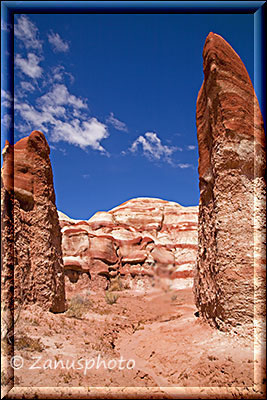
(155, 326)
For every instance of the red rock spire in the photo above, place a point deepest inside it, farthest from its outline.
(231, 179)
(32, 254)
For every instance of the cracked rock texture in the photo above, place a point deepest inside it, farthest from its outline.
(142, 237)
(232, 190)
(32, 266)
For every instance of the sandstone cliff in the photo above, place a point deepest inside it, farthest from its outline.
(32, 267)
(142, 237)
(231, 178)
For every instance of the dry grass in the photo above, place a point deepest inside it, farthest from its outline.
(78, 305)
(174, 297)
(24, 342)
(110, 297)
(127, 286)
(115, 284)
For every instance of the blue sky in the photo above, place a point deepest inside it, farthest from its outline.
(115, 96)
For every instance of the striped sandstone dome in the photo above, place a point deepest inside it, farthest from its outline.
(143, 236)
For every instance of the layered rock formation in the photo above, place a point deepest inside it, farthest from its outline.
(231, 178)
(142, 237)
(32, 266)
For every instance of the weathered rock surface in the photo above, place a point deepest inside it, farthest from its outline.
(231, 178)
(31, 247)
(142, 237)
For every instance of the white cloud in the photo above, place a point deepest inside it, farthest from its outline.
(186, 165)
(6, 121)
(4, 26)
(22, 127)
(119, 125)
(27, 86)
(29, 66)
(55, 114)
(152, 147)
(35, 118)
(191, 147)
(58, 112)
(59, 73)
(6, 99)
(82, 134)
(79, 114)
(59, 45)
(24, 88)
(59, 95)
(76, 102)
(27, 32)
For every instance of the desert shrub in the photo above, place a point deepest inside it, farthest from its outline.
(212, 358)
(67, 377)
(110, 297)
(115, 284)
(127, 286)
(174, 297)
(24, 342)
(78, 305)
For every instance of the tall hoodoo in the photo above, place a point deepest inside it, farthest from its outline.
(232, 189)
(32, 258)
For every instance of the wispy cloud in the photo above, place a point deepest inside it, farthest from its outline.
(27, 32)
(4, 26)
(58, 44)
(57, 148)
(152, 147)
(191, 147)
(30, 65)
(59, 73)
(116, 123)
(6, 121)
(25, 89)
(185, 165)
(6, 99)
(27, 86)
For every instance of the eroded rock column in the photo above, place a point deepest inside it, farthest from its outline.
(232, 188)
(32, 266)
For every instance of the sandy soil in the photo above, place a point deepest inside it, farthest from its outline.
(156, 328)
